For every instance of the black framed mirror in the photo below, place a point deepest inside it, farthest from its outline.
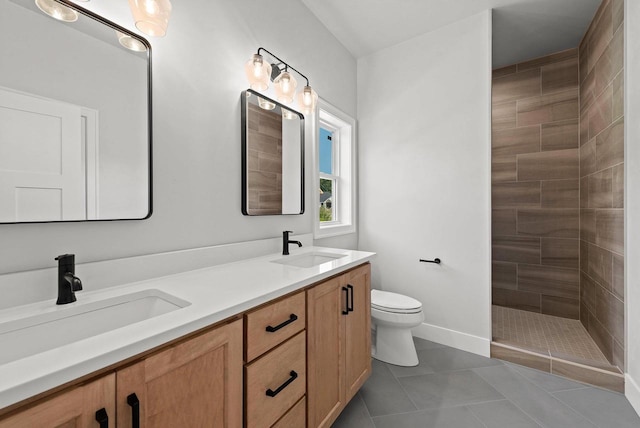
(272, 157)
(75, 116)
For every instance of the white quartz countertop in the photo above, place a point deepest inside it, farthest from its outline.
(214, 294)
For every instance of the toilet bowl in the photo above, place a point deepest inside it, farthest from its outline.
(393, 316)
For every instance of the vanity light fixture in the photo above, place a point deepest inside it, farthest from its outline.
(259, 72)
(151, 16)
(57, 10)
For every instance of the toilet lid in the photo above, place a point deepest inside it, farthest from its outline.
(388, 301)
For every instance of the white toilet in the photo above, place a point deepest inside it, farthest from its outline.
(393, 316)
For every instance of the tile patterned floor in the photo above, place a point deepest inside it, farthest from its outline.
(455, 389)
(545, 333)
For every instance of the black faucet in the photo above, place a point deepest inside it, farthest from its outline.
(286, 241)
(68, 282)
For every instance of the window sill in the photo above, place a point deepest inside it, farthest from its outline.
(335, 229)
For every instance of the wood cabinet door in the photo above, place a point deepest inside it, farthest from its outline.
(325, 352)
(75, 408)
(358, 330)
(196, 383)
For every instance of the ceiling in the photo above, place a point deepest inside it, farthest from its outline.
(522, 29)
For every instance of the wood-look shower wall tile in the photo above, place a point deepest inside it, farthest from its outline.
(560, 307)
(610, 312)
(584, 192)
(548, 108)
(504, 275)
(554, 165)
(547, 222)
(584, 255)
(610, 146)
(503, 115)
(617, 186)
(503, 71)
(601, 336)
(560, 194)
(588, 291)
(618, 276)
(600, 266)
(588, 91)
(610, 63)
(560, 135)
(503, 222)
(516, 194)
(503, 168)
(516, 86)
(560, 76)
(549, 281)
(618, 96)
(601, 112)
(560, 252)
(600, 33)
(588, 225)
(516, 299)
(516, 249)
(548, 59)
(600, 185)
(610, 229)
(513, 141)
(588, 158)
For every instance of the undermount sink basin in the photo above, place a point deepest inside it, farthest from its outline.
(308, 260)
(42, 332)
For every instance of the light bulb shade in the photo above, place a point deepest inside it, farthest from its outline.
(258, 72)
(285, 87)
(307, 99)
(151, 16)
(130, 43)
(57, 10)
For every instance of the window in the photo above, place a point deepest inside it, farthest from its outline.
(335, 172)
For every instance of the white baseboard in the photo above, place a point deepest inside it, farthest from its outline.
(632, 392)
(455, 339)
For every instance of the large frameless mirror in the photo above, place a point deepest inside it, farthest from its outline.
(75, 116)
(272, 157)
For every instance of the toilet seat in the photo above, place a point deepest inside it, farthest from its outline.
(387, 301)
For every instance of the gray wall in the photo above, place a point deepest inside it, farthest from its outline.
(198, 76)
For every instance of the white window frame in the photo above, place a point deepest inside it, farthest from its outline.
(343, 196)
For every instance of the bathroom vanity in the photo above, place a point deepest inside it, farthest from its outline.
(275, 341)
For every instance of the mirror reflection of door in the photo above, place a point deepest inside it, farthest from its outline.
(43, 146)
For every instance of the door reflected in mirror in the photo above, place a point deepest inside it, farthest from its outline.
(74, 118)
(272, 157)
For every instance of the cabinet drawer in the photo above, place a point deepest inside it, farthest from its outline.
(275, 382)
(273, 324)
(295, 418)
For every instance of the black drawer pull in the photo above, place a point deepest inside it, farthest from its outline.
(291, 319)
(272, 393)
(102, 418)
(132, 400)
(350, 308)
(346, 311)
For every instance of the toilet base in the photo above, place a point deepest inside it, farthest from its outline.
(395, 346)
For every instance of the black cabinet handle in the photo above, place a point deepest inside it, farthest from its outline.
(436, 261)
(272, 393)
(350, 308)
(346, 291)
(132, 400)
(291, 319)
(102, 418)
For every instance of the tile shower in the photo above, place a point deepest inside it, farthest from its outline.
(557, 200)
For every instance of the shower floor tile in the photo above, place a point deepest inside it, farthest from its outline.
(545, 333)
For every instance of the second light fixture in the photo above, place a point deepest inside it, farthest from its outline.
(259, 73)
